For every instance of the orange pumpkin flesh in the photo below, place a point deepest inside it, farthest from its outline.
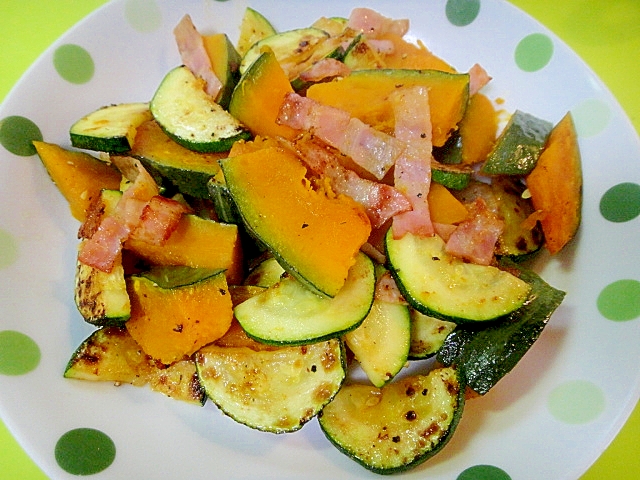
(315, 234)
(79, 176)
(365, 95)
(197, 243)
(257, 98)
(478, 129)
(556, 185)
(444, 207)
(172, 323)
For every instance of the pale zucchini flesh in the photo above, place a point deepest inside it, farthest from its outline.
(396, 427)
(111, 128)
(110, 354)
(276, 389)
(101, 297)
(381, 342)
(288, 313)
(191, 117)
(427, 335)
(440, 285)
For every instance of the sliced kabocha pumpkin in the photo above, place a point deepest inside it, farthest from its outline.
(177, 310)
(398, 426)
(110, 354)
(80, 177)
(314, 235)
(257, 98)
(187, 170)
(365, 95)
(555, 185)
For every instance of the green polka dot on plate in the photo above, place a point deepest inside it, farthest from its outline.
(84, 451)
(8, 249)
(576, 402)
(483, 472)
(591, 117)
(73, 63)
(143, 15)
(17, 134)
(620, 301)
(19, 353)
(462, 12)
(621, 203)
(534, 52)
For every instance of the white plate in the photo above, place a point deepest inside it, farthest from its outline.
(550, 418)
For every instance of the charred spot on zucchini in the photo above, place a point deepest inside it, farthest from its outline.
(110, 129)
(288, 313)
(486, 355)
(440, 285)
(101, 297)
(191, 117)
(272, 389)
(399, 426)
(427, 335)
(110, 354)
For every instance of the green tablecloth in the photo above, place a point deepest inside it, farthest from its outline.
(609, 43)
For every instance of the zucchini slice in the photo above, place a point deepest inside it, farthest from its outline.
(288, 313)
(452, 176)
(254, 27)
(191, 117)
(440, 285)
(110, 354)
(519, 145)
(273, 389)
(397, 427)
(427, 335)
(102, 297)
(109, 129)
(381, 342)
(294, 49)
(488, 354)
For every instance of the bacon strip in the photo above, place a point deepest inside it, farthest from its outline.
(478, 78)
(475, 238)
(324, 69)
(412, 174)
(374, 24)
(387, 290)
(194, 55)
(374, 151)
(381, 201)
(140, 212)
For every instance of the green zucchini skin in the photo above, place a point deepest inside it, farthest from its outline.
(288, 313)
(486, 355)
(427, 335)
(518, 147)
(454, 177)
(275, 390)
(399, 426)
(440, 285)
(109, 129)
(191, 117)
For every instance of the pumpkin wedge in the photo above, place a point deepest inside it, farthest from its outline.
(556, 185)
(314, 235)
(79, 176)
(172, 321)
(365, 95)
